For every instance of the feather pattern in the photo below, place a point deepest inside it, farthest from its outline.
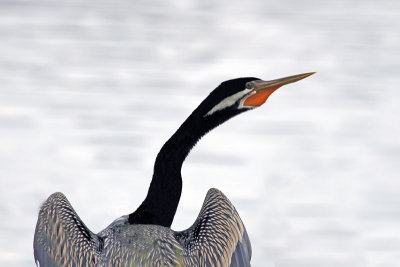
(217, 238)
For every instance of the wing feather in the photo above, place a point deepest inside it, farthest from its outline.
(218, 236)
(61, 238)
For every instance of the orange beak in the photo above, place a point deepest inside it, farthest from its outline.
(263, 89)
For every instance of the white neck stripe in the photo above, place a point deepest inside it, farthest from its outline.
(229, 101)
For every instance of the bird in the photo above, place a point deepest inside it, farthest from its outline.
(218, 236)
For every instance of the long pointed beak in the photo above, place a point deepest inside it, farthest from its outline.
(263, 89)
(261, 85)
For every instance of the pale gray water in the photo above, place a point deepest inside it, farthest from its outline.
(90, 90)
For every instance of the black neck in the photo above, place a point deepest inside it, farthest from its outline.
(164, 193)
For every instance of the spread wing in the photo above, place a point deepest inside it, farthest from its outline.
(61, 238)
(218, 236)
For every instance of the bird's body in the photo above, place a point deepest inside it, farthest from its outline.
(211, 241)
(143, 238)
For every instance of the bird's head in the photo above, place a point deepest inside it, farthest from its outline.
(235, 96)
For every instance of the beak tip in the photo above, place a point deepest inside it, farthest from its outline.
(309, 73)
(299, 77)
(302, 76)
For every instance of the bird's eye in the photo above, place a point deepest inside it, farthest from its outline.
(249, 85)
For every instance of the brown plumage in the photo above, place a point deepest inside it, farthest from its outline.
(217, 238)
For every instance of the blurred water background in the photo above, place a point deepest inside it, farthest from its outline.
(90, 90)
